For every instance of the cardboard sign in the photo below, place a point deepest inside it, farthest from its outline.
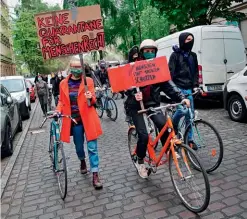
(139, 74)
(70, 32)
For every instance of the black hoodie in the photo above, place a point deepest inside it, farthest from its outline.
(183, 64)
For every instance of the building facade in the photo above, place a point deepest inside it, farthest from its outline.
(238, 7)
(7, 61)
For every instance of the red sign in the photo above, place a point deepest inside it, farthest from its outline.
(139, 74)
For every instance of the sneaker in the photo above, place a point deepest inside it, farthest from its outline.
(96, 181)
(193, 145)
(141, 168)
(83, 167)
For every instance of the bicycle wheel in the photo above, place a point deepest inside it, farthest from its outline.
(191, 186)
(110, 108)
(61, 171)
(209, 145)
(132, 142)
(99, 107)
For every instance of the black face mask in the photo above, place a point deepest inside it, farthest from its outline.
(188, 46)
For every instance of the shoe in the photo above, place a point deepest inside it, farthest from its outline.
(193, 145)
(142, 170)
(83, 167)
(96, 181)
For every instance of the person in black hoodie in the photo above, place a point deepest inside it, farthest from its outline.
(183, 67)
(150, 95)
(55, 86)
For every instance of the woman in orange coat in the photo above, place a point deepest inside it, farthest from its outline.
(73, 101)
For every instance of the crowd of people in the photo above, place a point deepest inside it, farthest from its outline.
(71, 99)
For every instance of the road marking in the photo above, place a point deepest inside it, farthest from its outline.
(12, 160)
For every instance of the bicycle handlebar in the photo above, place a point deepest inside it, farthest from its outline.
(194, 93)
(53, 115)
(154, 109)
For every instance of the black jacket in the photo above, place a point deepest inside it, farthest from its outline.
(55, 85)
(102, 76)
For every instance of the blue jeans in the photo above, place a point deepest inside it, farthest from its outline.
(181, 111)
(78, 136)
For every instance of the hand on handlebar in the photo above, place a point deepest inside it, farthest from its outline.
(197, 89)
(186, 102)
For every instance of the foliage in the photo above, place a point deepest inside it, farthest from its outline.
(188, 13)
(26, 41)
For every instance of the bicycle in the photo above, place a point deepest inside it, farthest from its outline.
(203, 144)
(196, 197)
(105, 103)
(56, 152)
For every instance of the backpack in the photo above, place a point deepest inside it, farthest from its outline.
(41, 88)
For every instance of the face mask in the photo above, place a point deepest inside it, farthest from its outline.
(148, 55)
(59, 76)
(39, 79)
(188, 46)
(76, 72)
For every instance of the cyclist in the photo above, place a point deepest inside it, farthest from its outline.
(102, 74)
(150, 95)
(55, 86)
(73, 101)
(183, 67)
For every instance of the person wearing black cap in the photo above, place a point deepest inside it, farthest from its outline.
(183, 67)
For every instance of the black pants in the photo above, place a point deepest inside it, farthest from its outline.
(159, 120)
(43, 103)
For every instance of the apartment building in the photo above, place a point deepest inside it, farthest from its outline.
(7, 61)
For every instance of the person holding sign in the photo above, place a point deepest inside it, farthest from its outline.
(183, 66)
(73, 101)
(150, 95)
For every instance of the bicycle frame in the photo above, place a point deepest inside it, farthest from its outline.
(55, 133)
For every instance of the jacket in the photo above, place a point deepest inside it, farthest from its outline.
(182, 74)
(169, 88)
(55, 85)
(89, 116)
(102, 76)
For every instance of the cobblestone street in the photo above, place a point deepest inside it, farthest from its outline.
(32, 190)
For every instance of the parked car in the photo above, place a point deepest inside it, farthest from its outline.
(220, 52)
(31, 87)
(11, 121)
(19, 90)
(235, 96)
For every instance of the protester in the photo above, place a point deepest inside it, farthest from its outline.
(73, 101)
(183, 66)
(55, 86)
(43, 92)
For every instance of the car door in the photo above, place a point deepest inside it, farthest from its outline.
(10, 109)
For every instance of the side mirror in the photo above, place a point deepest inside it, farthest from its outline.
(9, 100)
(27, 89)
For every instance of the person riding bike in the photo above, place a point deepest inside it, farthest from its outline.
(73, 101)
(102, 74)
(183, 67)
(150, 95)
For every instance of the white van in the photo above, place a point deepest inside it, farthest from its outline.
(220, 51)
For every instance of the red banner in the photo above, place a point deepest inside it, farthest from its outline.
(139, 74)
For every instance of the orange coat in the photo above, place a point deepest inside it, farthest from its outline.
(89, 116)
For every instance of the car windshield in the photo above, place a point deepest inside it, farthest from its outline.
(13, 85)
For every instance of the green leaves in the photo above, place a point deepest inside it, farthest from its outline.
(188, 13)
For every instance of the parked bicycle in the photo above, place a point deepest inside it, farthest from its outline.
(207, 142)
(105, 103)
(195, 189)
(56, 152)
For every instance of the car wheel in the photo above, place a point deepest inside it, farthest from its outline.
(237, 109)
(8, 141)
(20, 123)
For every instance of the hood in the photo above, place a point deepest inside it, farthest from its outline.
(175, 48)
(182, 38)
(133, 50)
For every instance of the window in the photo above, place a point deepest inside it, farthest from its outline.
(13, 85)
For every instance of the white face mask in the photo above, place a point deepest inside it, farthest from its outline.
(59, 76)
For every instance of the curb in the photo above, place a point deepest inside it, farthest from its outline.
(12, 160)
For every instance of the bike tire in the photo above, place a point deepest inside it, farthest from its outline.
(114, 105)
(61, 159)
(203, 188)
(200, 152)
(132, 136)
(99, 107)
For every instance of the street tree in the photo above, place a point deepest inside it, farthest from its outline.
(189, 13)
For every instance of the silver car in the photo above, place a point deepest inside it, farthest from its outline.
(11, 121)
(19, 90)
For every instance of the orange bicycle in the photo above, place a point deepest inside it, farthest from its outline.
(191, 184)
